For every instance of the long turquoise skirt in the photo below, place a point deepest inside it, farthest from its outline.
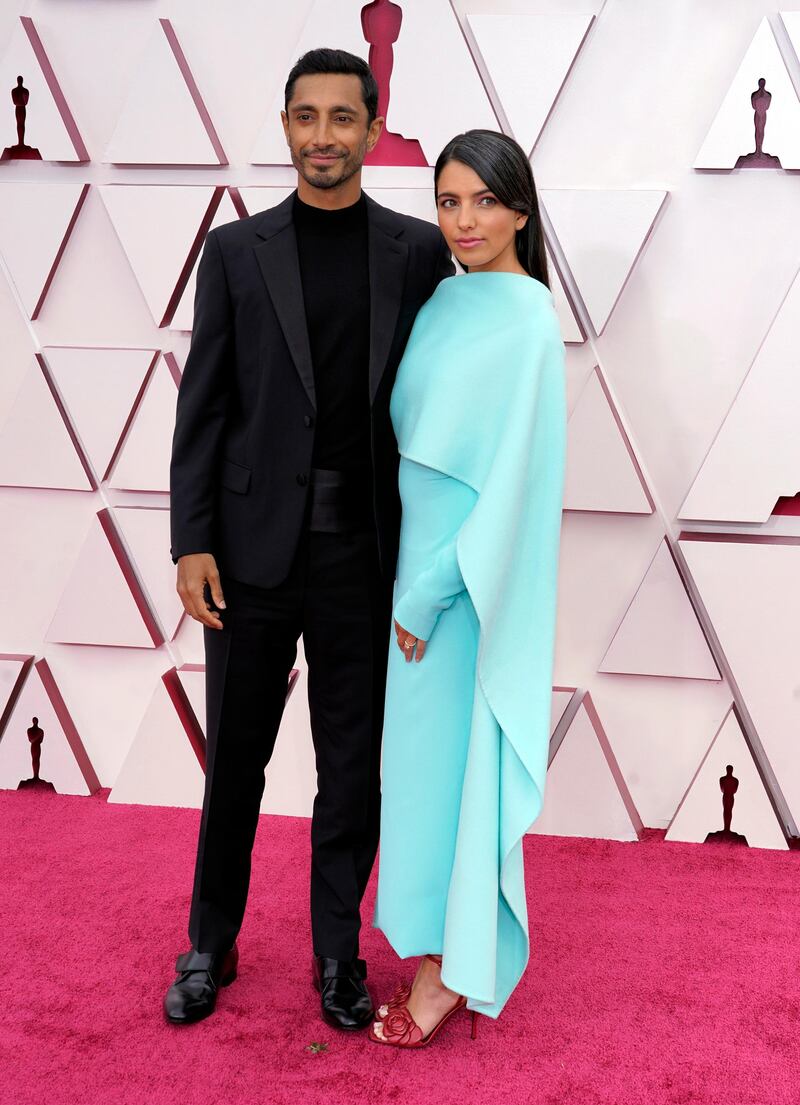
(440, 737)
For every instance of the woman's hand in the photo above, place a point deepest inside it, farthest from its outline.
(408, 643)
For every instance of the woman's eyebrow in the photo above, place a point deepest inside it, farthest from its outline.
(453, 195)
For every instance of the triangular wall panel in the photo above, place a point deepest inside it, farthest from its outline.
(661, 732)
(100, 389)
(791, 21)
(755, 457)
(701, 813)
(102, 603)
(263, 197)
(161, 768)
(732, 134)
(50, 127)
(601, 472)
(183, 317)
(144, 457)
(660, 633)
(64, 761)
(560, 701)
(585, 794)
(189, 645)
(528, 58)
(572, 332)
(602, 233)
(36, 221)
(36, 448)
(749, 589)
(14, 670)
(161, 228)
(146, 535)
(192, 678)
(164, 120)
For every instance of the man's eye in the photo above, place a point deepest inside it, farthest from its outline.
(343, 119)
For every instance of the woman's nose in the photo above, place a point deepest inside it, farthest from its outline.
(466, 218)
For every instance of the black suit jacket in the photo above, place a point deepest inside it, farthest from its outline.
(244, 432)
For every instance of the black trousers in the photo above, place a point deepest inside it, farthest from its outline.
(336, 598)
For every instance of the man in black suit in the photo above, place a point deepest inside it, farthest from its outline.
(286, 513)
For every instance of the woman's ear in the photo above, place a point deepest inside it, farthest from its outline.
(521, 222)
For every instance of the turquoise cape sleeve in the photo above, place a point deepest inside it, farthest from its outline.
(432, 592)
(480, 396)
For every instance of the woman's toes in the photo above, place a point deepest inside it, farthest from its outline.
(384, 1009)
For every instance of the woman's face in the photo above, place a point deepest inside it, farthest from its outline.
(479, 229)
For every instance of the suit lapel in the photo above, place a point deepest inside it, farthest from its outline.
(388, 258)
(277, 258)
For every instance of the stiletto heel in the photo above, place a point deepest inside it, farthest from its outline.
(474, 1034)
(398, 1027)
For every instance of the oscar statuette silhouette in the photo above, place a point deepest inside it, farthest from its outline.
(20, 96)
(760, 101)
(728, 784)
(381, 21)
(35, 736)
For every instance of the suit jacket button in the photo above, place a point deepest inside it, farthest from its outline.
(302, 479)
(309, 421)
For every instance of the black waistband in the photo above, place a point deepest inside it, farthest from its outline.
(339, 501)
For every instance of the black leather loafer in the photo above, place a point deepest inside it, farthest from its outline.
(346, 1002)
(193, 994)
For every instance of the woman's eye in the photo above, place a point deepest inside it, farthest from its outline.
(448, 203)
(490, 201)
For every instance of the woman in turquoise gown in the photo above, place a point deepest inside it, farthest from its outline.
(478, 408)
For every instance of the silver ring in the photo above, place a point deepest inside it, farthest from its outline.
(410, 642)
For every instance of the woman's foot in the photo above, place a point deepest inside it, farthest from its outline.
(429, 1000)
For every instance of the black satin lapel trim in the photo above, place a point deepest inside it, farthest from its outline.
(388, 259)
(277, 258)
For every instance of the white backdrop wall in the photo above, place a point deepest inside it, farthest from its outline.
(676, 279)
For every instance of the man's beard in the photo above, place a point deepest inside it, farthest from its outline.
(324, 179)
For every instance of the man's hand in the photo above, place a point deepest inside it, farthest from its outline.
(194, 571)
(408, 643)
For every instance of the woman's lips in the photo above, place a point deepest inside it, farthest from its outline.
(468, 243)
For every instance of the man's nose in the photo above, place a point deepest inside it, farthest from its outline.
(322, 135)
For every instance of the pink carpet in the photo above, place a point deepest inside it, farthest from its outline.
(661, 973)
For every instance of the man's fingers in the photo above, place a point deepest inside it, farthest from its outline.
(200, 610)
(194, 571)
(216, 591)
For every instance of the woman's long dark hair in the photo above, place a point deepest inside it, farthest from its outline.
(501, 164)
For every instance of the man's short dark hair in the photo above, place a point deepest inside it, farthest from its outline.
(336, 61)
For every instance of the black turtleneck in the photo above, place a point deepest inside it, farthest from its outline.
(334, 269)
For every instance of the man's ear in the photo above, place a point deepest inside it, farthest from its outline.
(374, 133)
(285, 122)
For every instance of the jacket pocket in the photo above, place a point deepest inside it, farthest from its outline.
(233, 476)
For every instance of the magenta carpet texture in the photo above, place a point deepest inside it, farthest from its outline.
(660, 973)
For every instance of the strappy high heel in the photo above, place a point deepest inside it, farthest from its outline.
(399, 998)
(398, 1027)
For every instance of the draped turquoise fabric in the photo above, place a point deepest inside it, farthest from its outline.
(479, 412)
